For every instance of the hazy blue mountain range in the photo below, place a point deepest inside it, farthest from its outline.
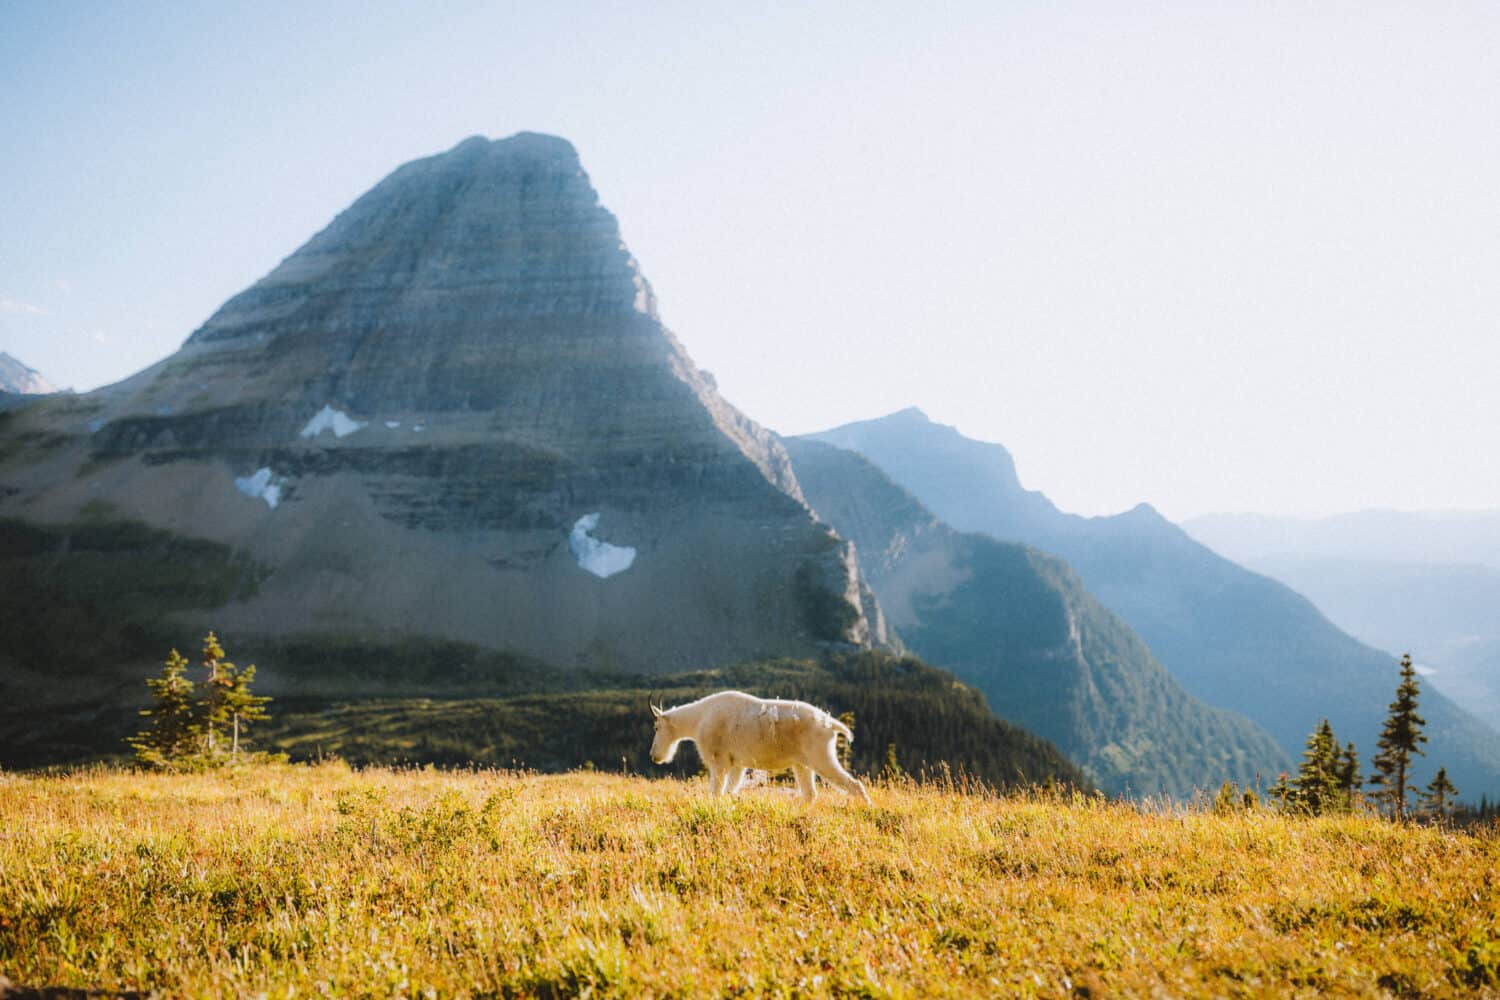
(1234, 638)
(1427, 583)
(1020, 626)
(1383, 536)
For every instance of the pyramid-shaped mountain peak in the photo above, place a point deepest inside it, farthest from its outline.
(454, 412)
(511, 227)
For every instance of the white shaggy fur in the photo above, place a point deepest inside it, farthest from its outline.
(737, 731)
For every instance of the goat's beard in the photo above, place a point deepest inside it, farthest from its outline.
(666, 758)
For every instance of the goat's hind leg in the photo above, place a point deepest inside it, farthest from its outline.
(833, 772)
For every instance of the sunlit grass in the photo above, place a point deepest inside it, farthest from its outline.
(325, 881)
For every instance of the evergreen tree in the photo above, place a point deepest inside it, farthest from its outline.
(240, 705)
(172, 735)
(1316, 789)
(1400, 738)
(1440, 792)
(214, 710)
(185, 730)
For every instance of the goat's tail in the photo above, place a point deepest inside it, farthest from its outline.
(840, 729)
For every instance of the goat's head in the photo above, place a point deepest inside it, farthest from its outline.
(664, 743)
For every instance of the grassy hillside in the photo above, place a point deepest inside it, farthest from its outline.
(326, 881)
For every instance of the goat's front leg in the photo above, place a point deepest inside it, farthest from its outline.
(807, 782)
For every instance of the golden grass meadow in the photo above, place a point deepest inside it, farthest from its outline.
(320, 880)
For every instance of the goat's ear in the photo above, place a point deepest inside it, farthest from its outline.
(656, 712)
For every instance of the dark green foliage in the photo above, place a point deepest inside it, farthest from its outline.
(1401, 737)
(1440, 795)
(186, 731)
(825, 614)
(1485, 813)
(891, 770)
(228, 702)
(1023, 630)
(341, 666)
(1324, 776)
(172, 734)
(931, 718)
(84, 610)
(213, 690)
(243, 707)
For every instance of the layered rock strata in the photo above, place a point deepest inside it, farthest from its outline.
(410, 417)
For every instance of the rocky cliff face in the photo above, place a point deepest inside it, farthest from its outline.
(456, 412)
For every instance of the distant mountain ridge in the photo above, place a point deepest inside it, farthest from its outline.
(22, 380)
(1019, 625)
(1390, 536)
(1234, 639)
(1424, 582)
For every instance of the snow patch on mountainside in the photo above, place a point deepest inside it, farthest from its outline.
(598, 557)
(329, 419)
(261, 484)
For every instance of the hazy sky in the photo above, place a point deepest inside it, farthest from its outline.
(1219, 257)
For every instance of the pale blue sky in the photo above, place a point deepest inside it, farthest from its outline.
(1218, 257)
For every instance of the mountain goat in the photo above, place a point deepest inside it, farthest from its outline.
(737, 731)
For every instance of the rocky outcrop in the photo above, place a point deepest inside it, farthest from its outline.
(408, 418)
